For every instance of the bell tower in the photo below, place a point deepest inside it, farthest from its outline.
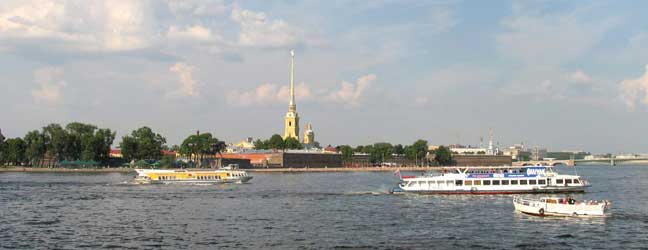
(292, 118)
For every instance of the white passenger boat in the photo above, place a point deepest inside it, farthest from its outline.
(159, 176)
(550, 206)
(492, 180)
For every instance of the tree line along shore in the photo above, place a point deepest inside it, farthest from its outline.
(80, 145)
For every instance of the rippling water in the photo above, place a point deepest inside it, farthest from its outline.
(303, 211)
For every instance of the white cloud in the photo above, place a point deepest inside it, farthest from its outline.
(350, 93)
(257, 30)
(187, 85)
(268, 93)
(422, 100)
(580, 77)
(196, 32)
(635, 90)
(50, 80)
(86, 25)
(539, 38)
(198, 7)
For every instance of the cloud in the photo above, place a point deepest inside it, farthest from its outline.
(579, 77)
(187, 84)
(542, 38)
(635, 91)
(268, 93)
(350, 93)
(85, 25)
(196, 32)
(198, 7)
(50, 80)
(257, 30)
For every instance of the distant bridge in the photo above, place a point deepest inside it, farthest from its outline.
(545, 163)
(613, 161)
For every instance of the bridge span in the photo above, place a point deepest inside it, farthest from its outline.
(569, 163)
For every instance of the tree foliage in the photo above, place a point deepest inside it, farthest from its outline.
(347, 152)
(142, 144)
(14, 151)
(276, 142)
(292, 143)
(443, 156)
(196, 147)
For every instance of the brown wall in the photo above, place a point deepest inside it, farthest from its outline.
(482, 160)
(311, 160)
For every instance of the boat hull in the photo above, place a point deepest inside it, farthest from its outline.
(494, 192)
(223, 181)
(542, 209)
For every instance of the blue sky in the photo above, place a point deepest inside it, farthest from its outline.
(566, 75)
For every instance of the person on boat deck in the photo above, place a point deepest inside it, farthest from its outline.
(570, 200)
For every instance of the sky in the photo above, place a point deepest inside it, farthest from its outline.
(566, 75)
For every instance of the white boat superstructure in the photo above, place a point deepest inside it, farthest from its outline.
(550, 206)
(492, 180)
(160, 176)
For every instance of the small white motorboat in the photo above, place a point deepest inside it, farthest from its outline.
(551, 206)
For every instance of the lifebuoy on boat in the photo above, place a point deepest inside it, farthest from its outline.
(541, 211)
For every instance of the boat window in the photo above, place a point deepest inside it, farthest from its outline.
(542, 182)
(449, 183)
(505, 182)
(458, 182)
(421, 183)
(496, 182)
(514, 182)
(523, 182)
(487, 182)
(411, 183)
(533, 182)
(477, 182)
(576, 181)
(468, 183)
(559, 181)
(568, 181)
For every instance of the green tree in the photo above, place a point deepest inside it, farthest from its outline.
(35, 147)
(142, 144)
(260, 145)
(14, 151)
(276, 142)
(292, 143)
(168, 161)
(399, 150)
(56, 140)
(196, 147)
(381, 152)
(347, 152)
(417, 151)
(443, 156)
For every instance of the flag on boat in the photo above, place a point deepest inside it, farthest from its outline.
(397, 172)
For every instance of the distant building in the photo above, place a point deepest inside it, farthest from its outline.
(468, 150)
(289, 159)
(245, 145)
(517, 152)
(116, 153)
(309, 135)
(538, 153)
(482, 160)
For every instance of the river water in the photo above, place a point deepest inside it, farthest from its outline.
(304, 211)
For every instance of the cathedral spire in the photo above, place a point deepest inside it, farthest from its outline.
(292, 106)
(292, 118)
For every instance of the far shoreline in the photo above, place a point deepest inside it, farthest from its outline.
(252, 170)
